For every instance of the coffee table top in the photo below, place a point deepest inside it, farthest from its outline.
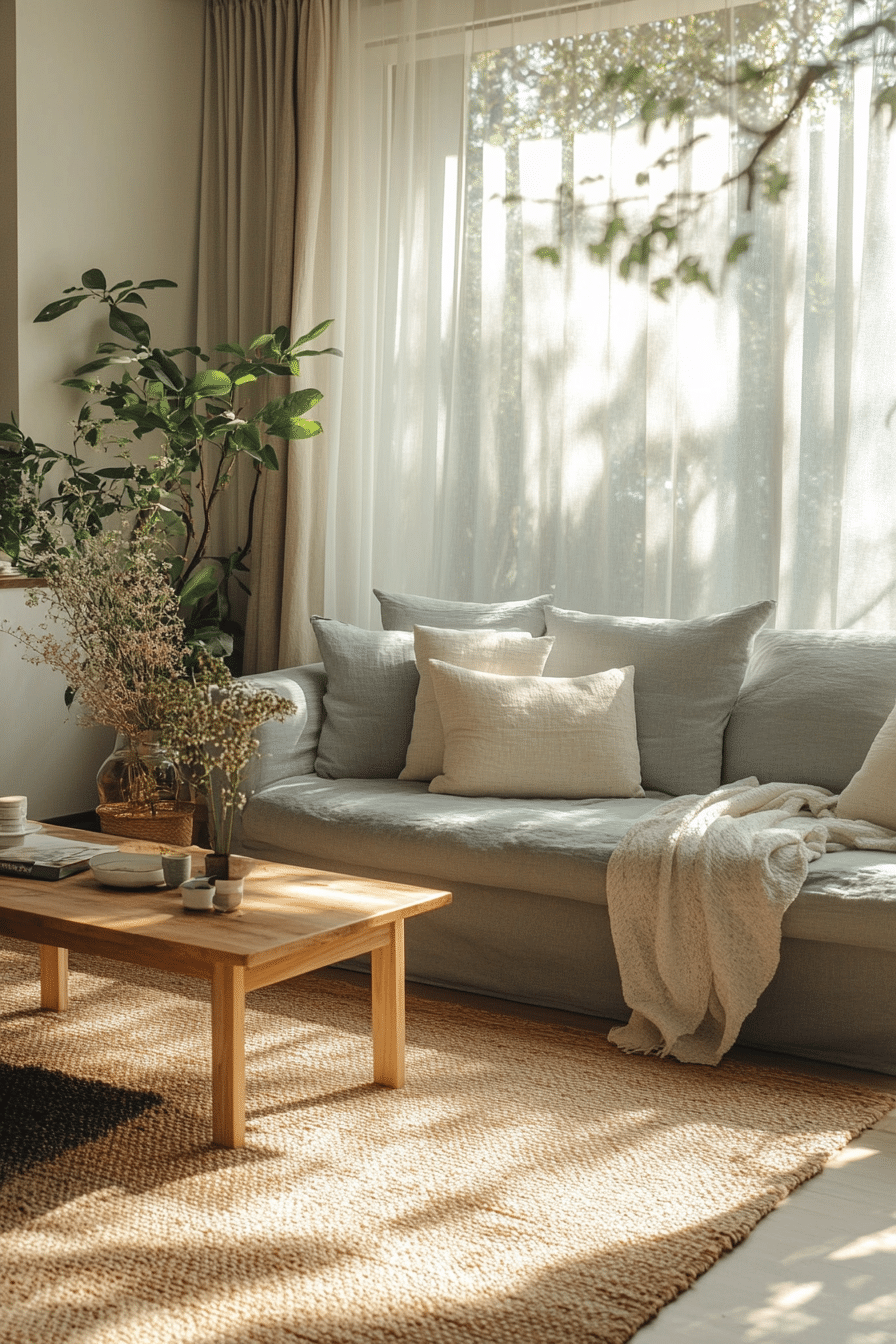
(284, 909)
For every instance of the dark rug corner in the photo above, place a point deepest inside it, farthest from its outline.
(43, 1113)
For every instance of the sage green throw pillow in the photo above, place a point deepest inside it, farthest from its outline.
(687, 677)
(402, 611)
(811, 705)
(369, 700)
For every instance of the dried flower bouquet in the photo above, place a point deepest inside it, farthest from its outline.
(208, 721)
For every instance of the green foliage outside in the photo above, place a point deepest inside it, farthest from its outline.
(761, 66)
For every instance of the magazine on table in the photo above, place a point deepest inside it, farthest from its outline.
(49, 857)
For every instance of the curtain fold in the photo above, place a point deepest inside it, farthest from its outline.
(264, 220)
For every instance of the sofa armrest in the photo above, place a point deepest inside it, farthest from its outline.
(288, 748)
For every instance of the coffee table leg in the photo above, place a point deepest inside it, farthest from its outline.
(228, 1056)
(54, 978)
(387, 986)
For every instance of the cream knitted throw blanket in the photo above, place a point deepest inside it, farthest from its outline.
(697, 891)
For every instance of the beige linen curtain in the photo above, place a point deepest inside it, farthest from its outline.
(263, 215)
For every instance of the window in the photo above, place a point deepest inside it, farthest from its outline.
(513, 421)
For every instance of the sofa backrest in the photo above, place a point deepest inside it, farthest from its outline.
(810, 706)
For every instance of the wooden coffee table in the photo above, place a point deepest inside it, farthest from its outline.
(292, 920)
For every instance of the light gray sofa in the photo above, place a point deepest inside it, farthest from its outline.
(529, 918)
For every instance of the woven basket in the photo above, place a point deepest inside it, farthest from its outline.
(169, 823)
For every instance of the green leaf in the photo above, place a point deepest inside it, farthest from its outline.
(691, 274)
(313, 334)
(93, 279)
(80, 383)
(231, 348)
(740, 245)
(262, 340)
(551, 254)
(58, 307)
(283, 409)
(774, 182)
(130, 325)
(92, 366)
(268, 457)
(133, 297)
(209, 383)
(200, 585)
(295, 428)
(887, 98)
(69, 696)
(661, 287)
(170, 373)
(247, 439)
(157, 284)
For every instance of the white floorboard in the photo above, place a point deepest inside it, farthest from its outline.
(821, 1268)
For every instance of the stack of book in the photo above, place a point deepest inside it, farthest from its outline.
(49, 858)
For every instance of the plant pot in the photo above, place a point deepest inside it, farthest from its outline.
(217, 866)
(142, 793)
(228, 894)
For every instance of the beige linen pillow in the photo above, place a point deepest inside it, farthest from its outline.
(510, 652)
(871, 793)
(534, 737)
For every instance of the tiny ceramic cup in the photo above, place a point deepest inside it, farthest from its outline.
(197, 894)
(228, 894)
(176, 869)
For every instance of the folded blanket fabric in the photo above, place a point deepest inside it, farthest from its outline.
(696, 893)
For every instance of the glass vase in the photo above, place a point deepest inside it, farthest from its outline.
(139, 772)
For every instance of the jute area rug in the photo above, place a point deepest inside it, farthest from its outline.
(530, 1185)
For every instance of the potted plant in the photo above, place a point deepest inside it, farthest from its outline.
(175, 433)
(116, 629)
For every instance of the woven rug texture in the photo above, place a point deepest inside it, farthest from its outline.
(531, 1184)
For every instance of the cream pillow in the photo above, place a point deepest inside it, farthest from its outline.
(510, 652)
(537, 737)
(871, 793)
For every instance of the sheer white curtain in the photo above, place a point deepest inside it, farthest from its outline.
(505, 425)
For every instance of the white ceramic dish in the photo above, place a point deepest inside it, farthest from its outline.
(128, 870)
(28, 829)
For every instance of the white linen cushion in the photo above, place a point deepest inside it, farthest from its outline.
(871, 793)
(529, 737)
(509, 652)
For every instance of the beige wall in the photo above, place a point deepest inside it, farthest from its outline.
(108, 111)
(9, 349)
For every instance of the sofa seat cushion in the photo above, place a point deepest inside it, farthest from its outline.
(848, 897)
(557, 846)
